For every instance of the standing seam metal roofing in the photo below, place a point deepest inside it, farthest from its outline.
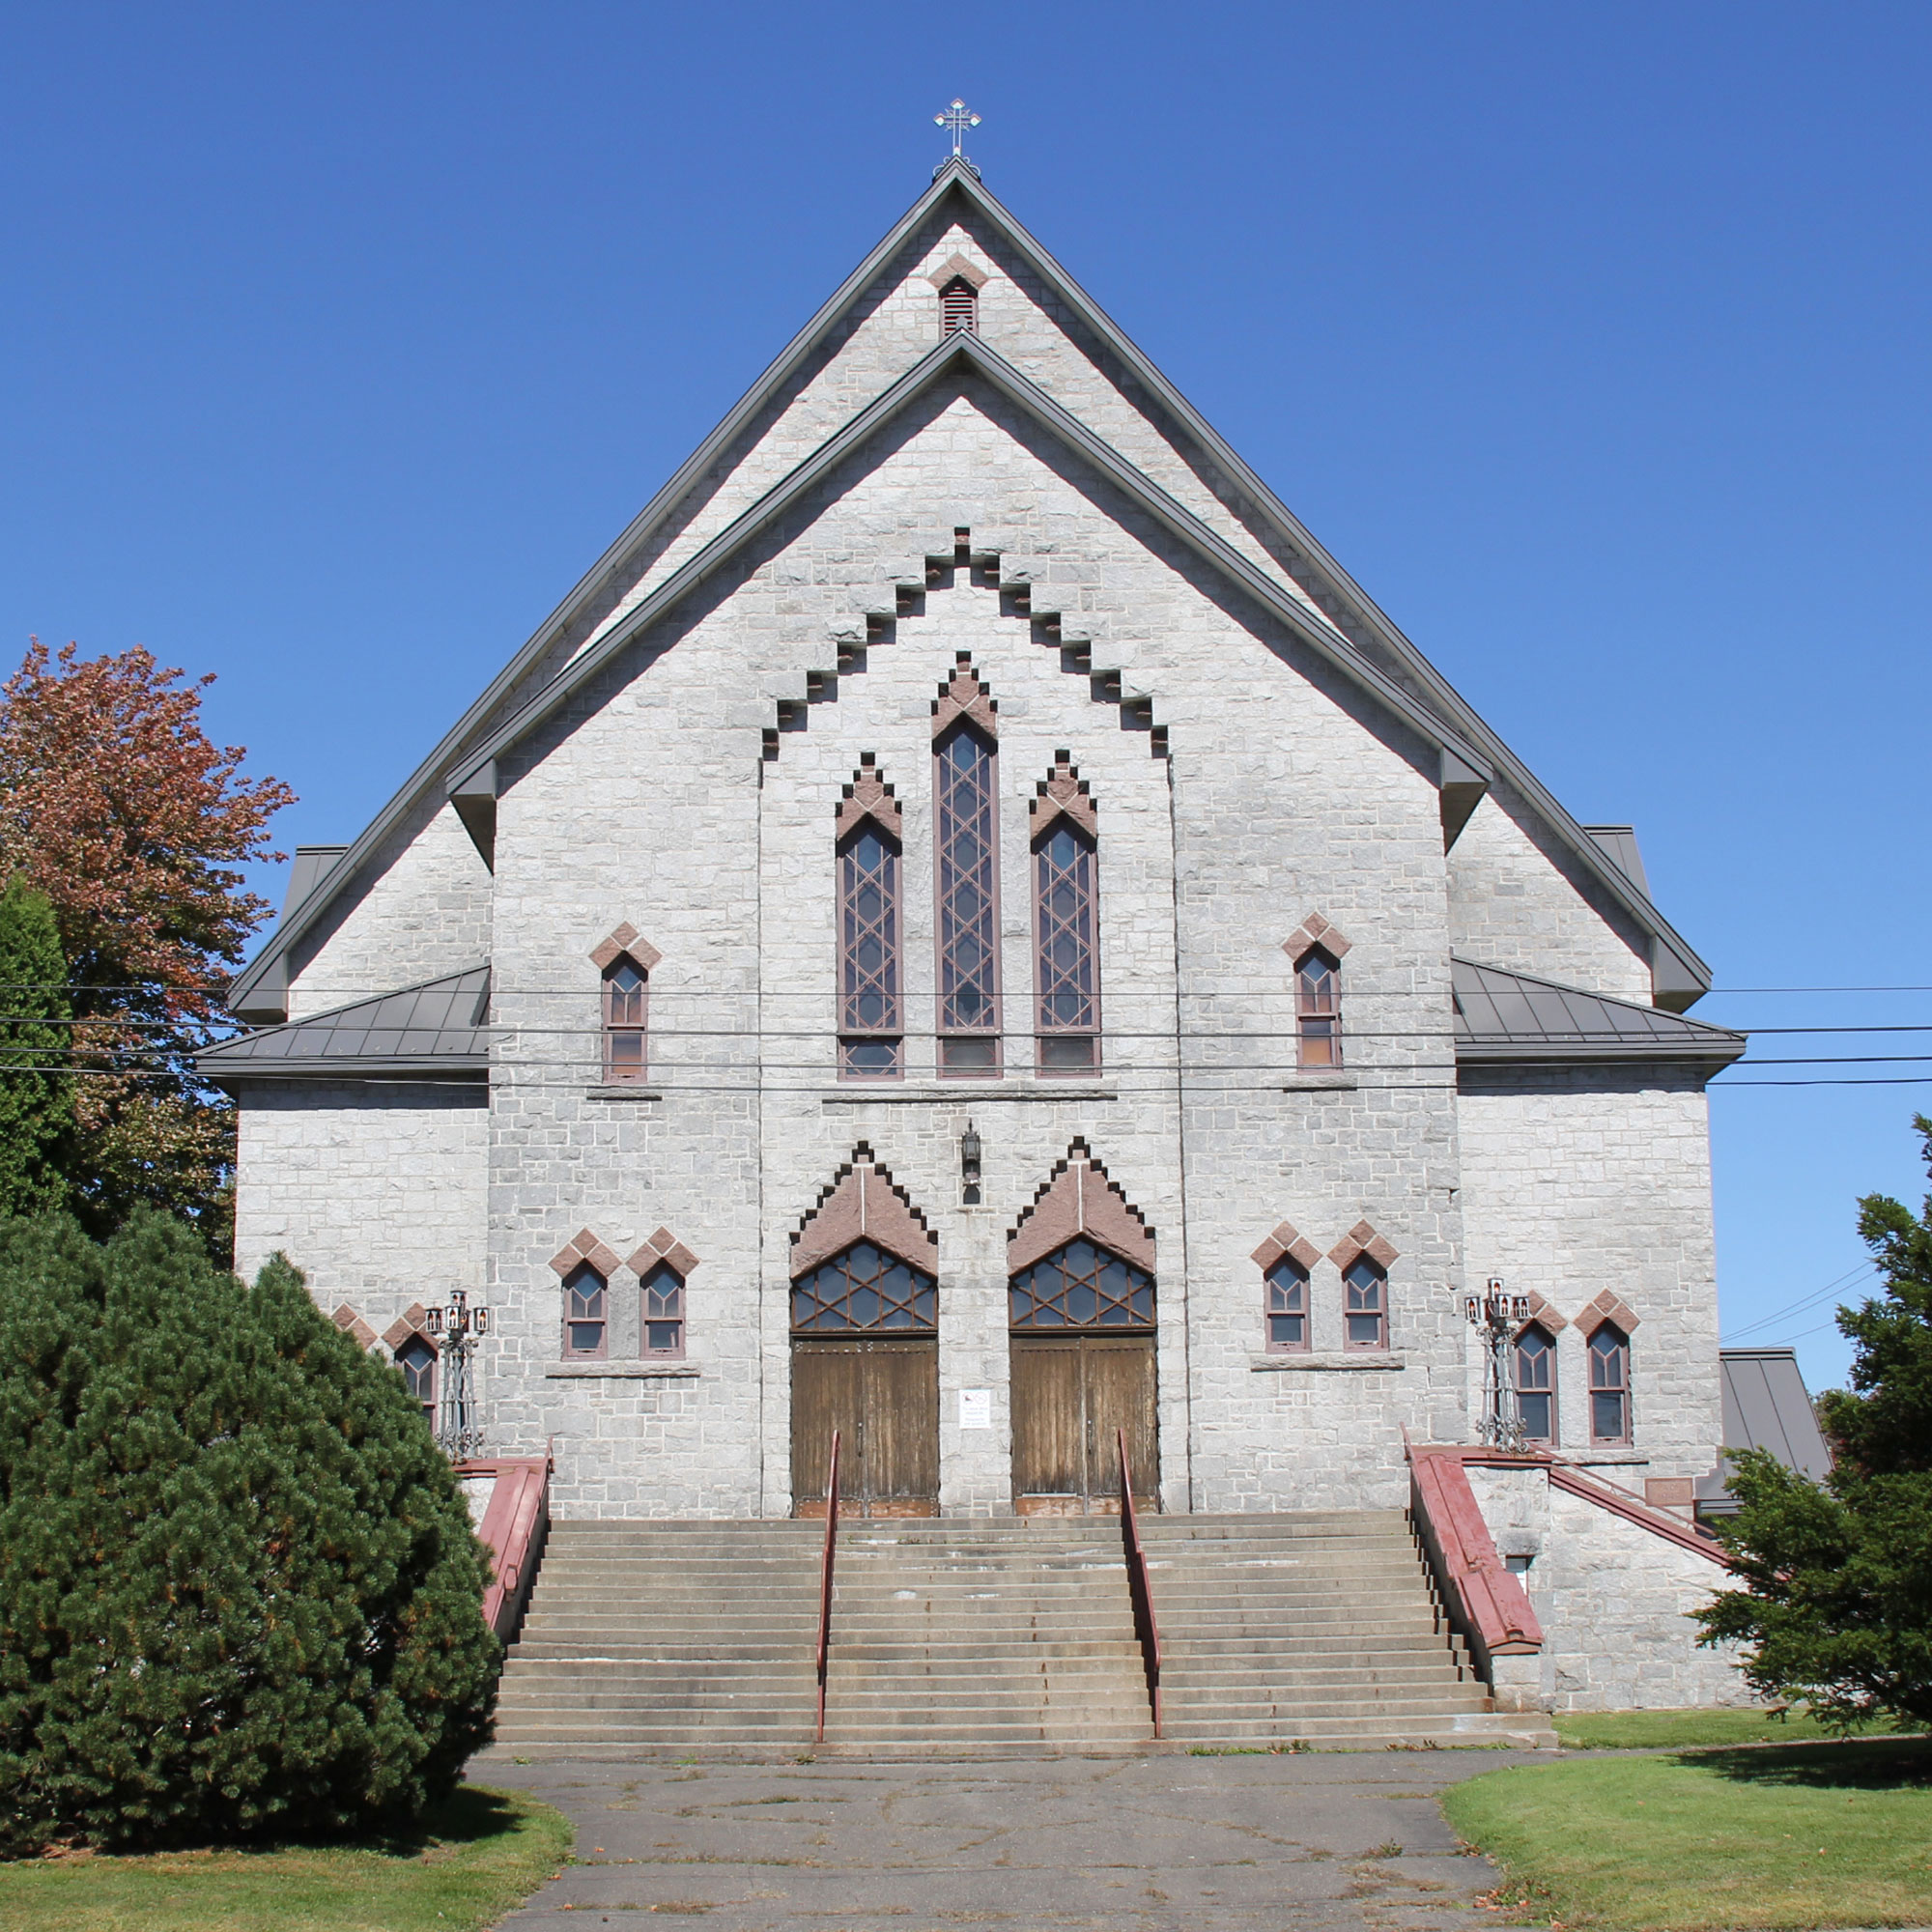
(1512, 1016)
(441, 1025)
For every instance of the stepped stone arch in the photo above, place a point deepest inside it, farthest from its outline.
(1079, 1199)
(863, 1201)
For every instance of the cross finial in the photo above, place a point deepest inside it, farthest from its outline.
(956, 120)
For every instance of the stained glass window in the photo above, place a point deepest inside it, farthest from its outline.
(966, 806)
(1081, 1286)
(1610, 1385)
(1067, 954)
(1536, 1385)
(1286, 1291)
(865, 1289)
(624, 988)
(416, 1358)
(869, 1016)
(661, 1311)
(1365, 1305)
(585, 1312)
(1318, 1010)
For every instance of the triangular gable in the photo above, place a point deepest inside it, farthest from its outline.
(863, 1205)
(1080, 1201)
(1321, 596)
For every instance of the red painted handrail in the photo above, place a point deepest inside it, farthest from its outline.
(1138, 1589)
(825, 1580)
(1486, 1602)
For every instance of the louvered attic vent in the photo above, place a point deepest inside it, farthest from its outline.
(958, 306)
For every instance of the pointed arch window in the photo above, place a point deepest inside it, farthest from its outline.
(966, 816)
(1317, 1008)
(1081, 1286)
(1365, 1305)
(1535, 1377)
(586, 1312)
(625, 987)
(872, 1026)
(661, 1312)
(1065, 918)
(416, 1358)
(1286, 1290)
(958, 306)
(1609, 1384)
(865, 1290)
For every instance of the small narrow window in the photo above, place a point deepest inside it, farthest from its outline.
(625, 983)
(662, 1313)
(587, 1327)
(416, 1358)
(870, 1029)
(1610, 1385)
(958, 306)
(1365, 1309)
(1286, 1294)
(1067, 954)
(966, 822)
(1317, 1008)
(1536, 1385)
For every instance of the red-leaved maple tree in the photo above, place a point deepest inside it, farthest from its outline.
(117, 806)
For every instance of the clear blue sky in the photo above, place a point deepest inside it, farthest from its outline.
(339, 339)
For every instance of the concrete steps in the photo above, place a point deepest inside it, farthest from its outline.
(983, 1637)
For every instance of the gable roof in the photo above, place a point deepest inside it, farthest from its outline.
(1511, 1018)
(1679, 976)
(439, 1030)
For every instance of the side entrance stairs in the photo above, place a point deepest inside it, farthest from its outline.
(987, 1637)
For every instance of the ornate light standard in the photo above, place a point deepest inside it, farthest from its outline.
(1496, 1317)
(460, 1433)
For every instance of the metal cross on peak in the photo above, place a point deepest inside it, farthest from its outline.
(956, 120)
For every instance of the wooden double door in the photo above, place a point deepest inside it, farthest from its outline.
(1071, 1394)
(881, 1396)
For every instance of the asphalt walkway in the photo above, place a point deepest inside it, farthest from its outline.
(1148, 1844)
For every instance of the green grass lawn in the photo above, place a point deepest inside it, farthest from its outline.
(1808, 1835)
(467, 1864)
(1677, 1730)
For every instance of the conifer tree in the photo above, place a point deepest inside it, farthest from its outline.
(240, 1593)
(35, 1086)
(1836, 1607)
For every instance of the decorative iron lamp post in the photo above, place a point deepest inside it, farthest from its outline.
(1496, 1318)
(456, 1327)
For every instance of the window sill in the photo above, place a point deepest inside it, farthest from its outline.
(1323, 1361)
(623, 1372)
(964, 1092)
(622, 1094)
(1322, 1082)
(1582, 1458)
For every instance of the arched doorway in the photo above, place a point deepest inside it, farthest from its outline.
(864, 1352)
(1081, 1325)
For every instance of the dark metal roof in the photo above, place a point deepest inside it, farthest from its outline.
(1510, 1018)
(1681, 976)
(1766, 1406)
(440, 1029)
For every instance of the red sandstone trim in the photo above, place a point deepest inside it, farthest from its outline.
(1063, 793)
(1315, 931)
(624, 940)
(869, 796)
(1606, 1307)
(963, 695)
(1285, 1241)
(1362, 1239)
(584, 1246)
(663, 1246)
(1078, 1199)
(864, 1204)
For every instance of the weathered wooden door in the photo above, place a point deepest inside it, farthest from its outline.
(1070, 1396)
(883, 1398)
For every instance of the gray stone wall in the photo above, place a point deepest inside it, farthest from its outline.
(1613, 1600)
(374, 1191)
(1578, 1181)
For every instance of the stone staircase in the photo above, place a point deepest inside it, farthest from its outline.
(983, 1635)
(987, 1637)
(1317, 1625)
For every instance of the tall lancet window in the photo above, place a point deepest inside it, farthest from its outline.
(1066, 908)
(871, 1027)
(966, 826)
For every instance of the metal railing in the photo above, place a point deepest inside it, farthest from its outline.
(1138, 1589)
(825, 1580)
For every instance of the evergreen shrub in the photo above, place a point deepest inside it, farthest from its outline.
(240, 1593)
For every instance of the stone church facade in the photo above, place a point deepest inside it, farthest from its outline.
(968, 922)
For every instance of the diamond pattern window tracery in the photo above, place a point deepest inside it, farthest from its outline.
(865, 1290)
(1082, 1286)
(1063, 919)
(969, 951)
(869, 1019)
